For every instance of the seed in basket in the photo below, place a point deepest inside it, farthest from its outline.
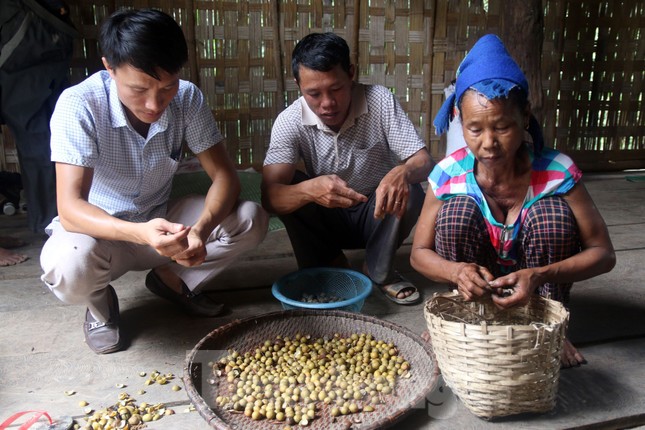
(296, 380)
(319, 298)
(500, 291)
(504, 292)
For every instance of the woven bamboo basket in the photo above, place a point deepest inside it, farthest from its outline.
(246, 334)
(498, 362)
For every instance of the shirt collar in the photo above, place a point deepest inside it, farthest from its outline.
(357, 107)
(117, 111)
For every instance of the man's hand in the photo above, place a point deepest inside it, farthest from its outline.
(392, 193)
(331, 191)
(195, 254)
(167, 238)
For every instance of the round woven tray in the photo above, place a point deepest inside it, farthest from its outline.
(498, 362)
(247, 334)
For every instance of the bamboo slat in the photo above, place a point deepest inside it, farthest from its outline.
(593, 62)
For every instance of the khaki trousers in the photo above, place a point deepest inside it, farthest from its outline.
(78, 268)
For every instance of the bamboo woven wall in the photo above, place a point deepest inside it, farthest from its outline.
(592, 65)
(593, 68)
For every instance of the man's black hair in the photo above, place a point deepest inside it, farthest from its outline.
(146, 39)
(320, 52)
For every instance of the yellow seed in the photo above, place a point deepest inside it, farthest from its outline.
(70, 392)
(142, 374)
(176, 388)
(82, 403)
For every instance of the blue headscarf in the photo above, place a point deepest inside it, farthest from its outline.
(489, 69)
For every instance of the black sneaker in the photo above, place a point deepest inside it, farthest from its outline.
(104, 337)
(193, 304)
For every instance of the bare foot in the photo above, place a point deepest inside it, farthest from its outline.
(9, 258)
(570, 356)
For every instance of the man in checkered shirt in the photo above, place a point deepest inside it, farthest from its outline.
(117, 141)
(363, 161)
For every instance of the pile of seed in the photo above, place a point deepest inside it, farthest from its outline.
(295, 380)
(126, 414)
(319, 298)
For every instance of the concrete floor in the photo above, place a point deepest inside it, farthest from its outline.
(43, 354)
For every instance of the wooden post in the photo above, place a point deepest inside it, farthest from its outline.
(522, 31)
(280, 75)
(356, 38)
(189, 31)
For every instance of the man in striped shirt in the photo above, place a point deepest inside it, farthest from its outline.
(363, 160)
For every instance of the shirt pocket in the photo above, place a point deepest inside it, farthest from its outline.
(158, 176)
(368, 146)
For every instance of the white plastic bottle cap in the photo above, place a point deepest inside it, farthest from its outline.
(9, 208)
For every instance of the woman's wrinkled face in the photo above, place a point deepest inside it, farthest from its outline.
(493, 129)
(328, 94)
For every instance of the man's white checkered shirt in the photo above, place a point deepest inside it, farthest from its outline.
(132, 174)
(376, 136)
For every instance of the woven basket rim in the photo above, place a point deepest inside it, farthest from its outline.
(556, 308)
(216, 421)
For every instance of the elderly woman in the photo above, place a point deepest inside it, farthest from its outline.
(504, 213)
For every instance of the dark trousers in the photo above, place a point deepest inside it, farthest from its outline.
(31, 79)
(549, 234)
(10, 186)
(36, 169)
(318, 235)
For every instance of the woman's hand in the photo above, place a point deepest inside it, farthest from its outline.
(523, 283)
(472, 280)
